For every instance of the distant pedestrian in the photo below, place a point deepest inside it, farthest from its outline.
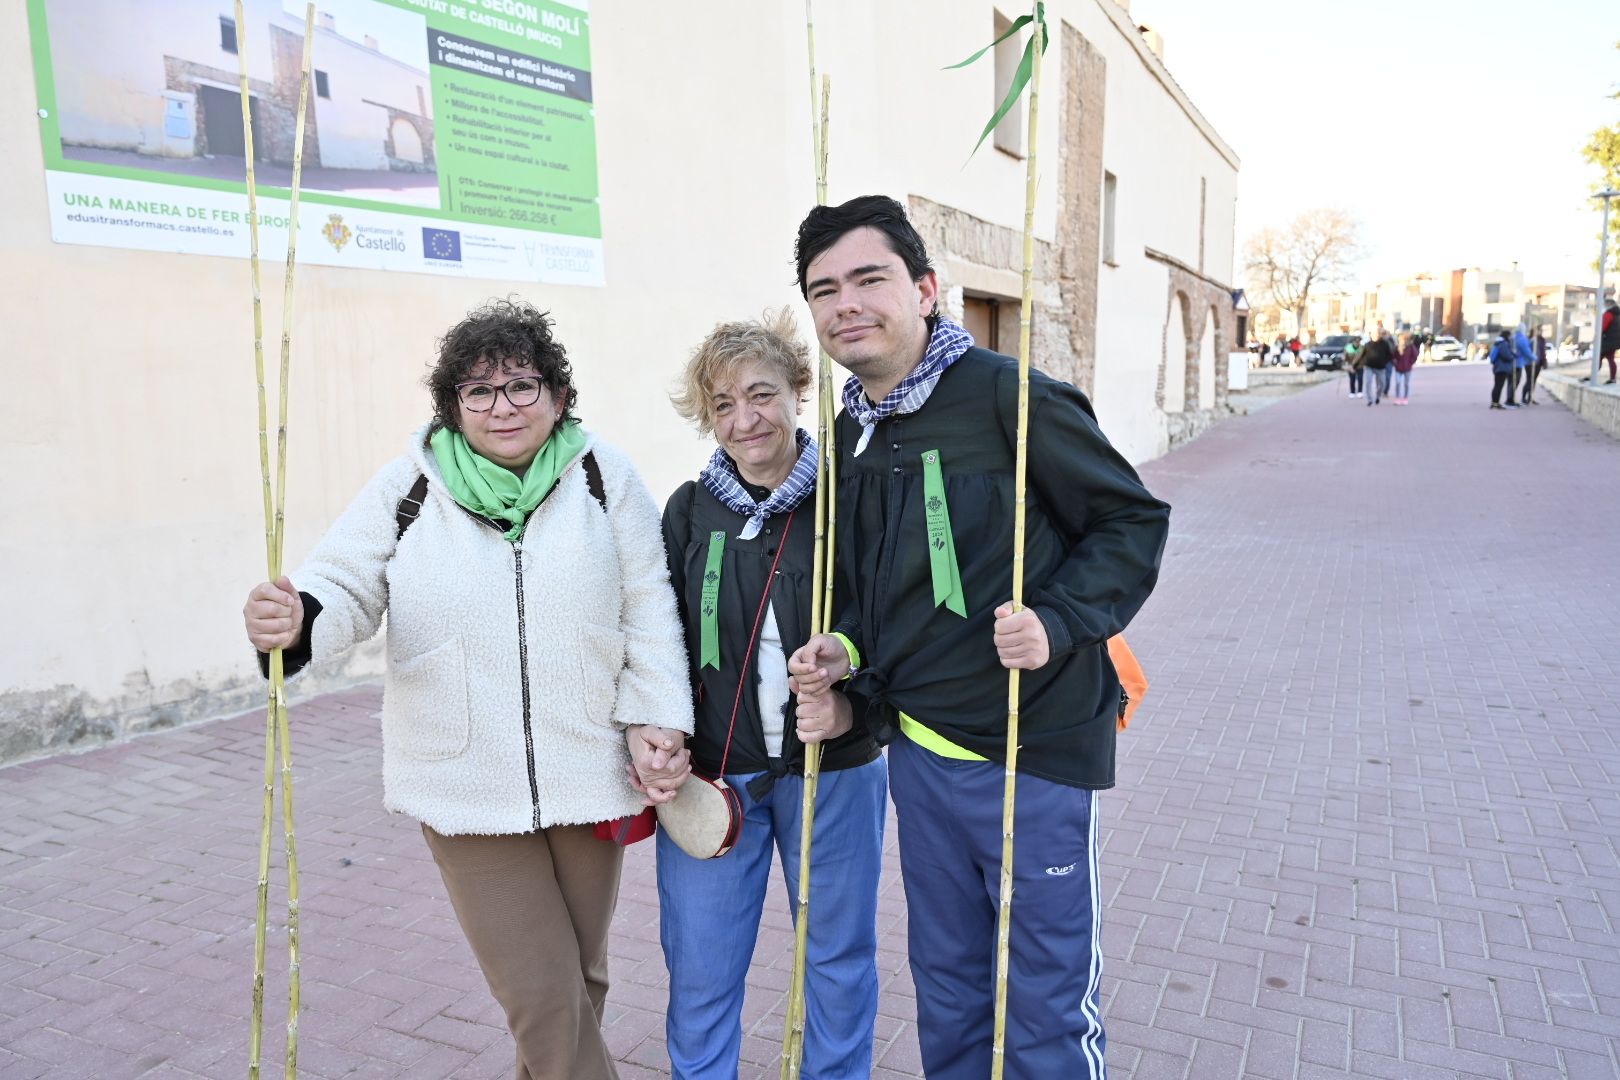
(1352, 365)
(1376, 357)
(1405, 358)
(1502, 360)
(1388, 369)
(1524, 358)
(1609, 339)
(1293, 350)
(1538, 364)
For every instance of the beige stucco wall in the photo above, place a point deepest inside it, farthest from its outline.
(132, 529)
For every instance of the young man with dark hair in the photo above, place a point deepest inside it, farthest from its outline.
(926, 633)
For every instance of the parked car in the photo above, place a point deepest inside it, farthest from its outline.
(1329, 352)
(1570, 351)
(1446, 347)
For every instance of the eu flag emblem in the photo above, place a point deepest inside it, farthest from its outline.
(441, 244)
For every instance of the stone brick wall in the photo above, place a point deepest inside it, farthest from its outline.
(287, 60)
(1080, 181)
(1204, 297)
(271, 132)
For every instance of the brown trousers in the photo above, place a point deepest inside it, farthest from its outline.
(535, 909)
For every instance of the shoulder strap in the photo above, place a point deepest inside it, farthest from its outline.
(410, 506)
(593, 478)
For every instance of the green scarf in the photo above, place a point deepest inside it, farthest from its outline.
(496, 492)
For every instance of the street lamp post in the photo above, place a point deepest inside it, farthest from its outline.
(1603, 265)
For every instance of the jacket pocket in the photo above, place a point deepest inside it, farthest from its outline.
(601, 658)
(427, 710)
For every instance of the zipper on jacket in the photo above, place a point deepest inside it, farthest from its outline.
(523, 651)
(523, 668)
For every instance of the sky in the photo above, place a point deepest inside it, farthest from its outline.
(1451, 129)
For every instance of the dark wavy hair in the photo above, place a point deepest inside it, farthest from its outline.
(511, 333)
(824, 226)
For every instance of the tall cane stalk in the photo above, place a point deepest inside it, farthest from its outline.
(821, 588)
(283, 733)
(1020, 470)
(276, 729)
(256, 1031)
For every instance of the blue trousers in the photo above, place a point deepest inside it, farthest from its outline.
(709, 911)
(949, 819)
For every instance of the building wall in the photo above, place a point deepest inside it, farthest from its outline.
(354, 128)
(143, 530)
(1480, 313)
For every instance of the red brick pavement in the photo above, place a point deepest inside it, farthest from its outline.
(1360, 826)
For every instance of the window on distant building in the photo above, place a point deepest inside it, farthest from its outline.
(227, 34)
(1108, 197)
(1009, 134)
(322, 87)
(1493, 294)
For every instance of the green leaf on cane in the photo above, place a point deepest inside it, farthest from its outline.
(1020, 77)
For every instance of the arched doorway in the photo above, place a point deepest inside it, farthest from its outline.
(407, 141)
(1175, 356)
(1206, 362)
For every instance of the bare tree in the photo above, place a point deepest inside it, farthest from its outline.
(1317, 249)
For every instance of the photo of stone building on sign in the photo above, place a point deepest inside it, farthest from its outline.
(155, 86)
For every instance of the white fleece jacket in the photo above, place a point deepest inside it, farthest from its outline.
(582, 605)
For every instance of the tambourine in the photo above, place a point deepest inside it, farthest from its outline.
(704, 819)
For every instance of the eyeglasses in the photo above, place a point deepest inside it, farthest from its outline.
(480, 396)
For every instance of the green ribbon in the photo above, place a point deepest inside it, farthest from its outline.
(711, 602)
(941, 546)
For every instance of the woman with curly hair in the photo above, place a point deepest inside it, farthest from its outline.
(536, 679)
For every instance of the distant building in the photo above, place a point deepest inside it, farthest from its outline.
(1334, 313)
(1566, 313)
(1416, 303)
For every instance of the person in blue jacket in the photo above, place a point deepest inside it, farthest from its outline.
(1502, 368)
(1524, 360)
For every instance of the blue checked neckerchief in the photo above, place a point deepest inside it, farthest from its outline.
(721, 478)
(945, 347)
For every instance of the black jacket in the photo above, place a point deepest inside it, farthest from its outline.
(691, 514)
(1376, 354)
(1093, 540)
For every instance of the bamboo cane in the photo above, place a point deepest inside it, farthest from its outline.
(1020, 469)
(256, 1030)
(283, 733)
(820, 609)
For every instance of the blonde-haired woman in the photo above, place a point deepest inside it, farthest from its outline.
(741, 541)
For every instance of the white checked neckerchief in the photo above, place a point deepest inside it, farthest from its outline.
(720, 476)
(945, 346)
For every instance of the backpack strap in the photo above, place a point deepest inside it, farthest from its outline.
(410, 506)
(593, 479)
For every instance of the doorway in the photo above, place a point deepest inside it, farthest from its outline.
(222, 122)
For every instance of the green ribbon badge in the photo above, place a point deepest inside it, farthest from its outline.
(711, 602)
(941, 546)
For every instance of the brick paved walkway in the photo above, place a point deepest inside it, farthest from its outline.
(1360, 830)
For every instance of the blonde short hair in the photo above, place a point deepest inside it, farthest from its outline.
(772, 340)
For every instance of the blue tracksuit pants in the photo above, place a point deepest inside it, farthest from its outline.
(948, 814)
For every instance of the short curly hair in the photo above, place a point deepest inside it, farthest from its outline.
(772, 340)
(510, 332)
